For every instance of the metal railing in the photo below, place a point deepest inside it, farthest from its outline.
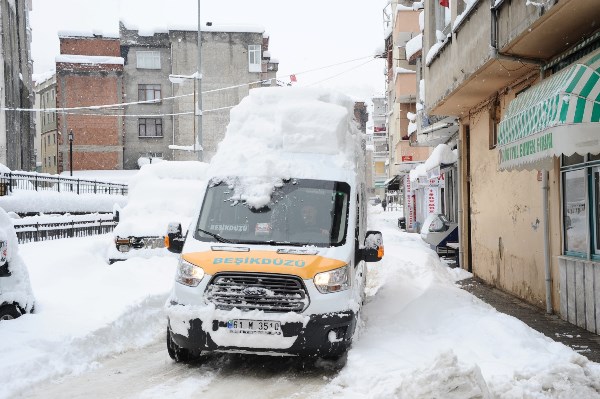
(52, 231)
(46, 182)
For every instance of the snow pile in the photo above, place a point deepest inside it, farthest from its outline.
(418, 171)
(161, 193)
(24, 201)
(89, 59)
(85, 310)
(423, 337)
(280, 133)
(414, 45)
(15, 288)
(441, 155)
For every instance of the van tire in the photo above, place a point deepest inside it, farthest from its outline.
(179, 354)
(9, 312)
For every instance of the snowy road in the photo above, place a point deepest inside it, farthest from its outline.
(99, 333)
(150, 373)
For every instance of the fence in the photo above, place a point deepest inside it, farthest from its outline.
(52, 231)
(45, 182)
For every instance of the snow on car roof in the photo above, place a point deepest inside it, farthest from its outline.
(288, 132)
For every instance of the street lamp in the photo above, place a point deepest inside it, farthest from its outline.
(71, 151)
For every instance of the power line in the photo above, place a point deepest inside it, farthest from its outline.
(121, 105)
(145, 115)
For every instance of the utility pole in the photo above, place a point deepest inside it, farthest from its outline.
(199, 85)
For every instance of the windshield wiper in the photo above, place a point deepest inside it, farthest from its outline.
(216, 236)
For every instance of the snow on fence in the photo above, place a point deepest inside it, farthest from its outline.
(46, 182)
(51, 231)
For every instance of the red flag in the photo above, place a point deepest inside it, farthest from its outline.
(293, 78)
(445, 3)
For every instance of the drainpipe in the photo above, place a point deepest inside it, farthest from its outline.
(459, 201)
(546, 219)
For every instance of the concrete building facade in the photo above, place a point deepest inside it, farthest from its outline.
(46, 124)
(17, 130)
(522, 79)
(234, 61)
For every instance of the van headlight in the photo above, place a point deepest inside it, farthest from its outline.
(189, 274)
(333, 280)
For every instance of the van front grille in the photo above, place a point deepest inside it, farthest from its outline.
(253, 291)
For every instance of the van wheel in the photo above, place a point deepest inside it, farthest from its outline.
(9, 312)
(179, 354)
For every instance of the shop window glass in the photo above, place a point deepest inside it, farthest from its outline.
(574, 211)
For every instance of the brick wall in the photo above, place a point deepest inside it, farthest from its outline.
(90, 46)
(98, 142)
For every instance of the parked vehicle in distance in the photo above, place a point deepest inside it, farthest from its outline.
(16, 295)
(274, 261)
(158, 194)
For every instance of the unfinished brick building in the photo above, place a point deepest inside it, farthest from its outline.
(89, 72)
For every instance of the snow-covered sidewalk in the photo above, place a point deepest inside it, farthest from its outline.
(423, 337)
(420, 335)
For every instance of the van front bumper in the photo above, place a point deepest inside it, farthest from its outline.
(324, 335)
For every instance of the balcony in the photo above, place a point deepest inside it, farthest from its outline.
(522, 37)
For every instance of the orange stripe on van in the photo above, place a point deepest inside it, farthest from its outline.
(303, 266)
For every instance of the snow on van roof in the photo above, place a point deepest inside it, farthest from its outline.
(160, 193)
(287, 132)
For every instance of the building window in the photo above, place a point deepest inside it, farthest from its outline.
(150, 127)
(581, 205)
(148, 92)
(254, 58)
(148, 59)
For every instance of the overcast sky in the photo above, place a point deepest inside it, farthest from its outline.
(304, 35)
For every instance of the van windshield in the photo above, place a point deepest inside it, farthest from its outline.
(301, 212)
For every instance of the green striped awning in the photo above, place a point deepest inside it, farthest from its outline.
(560, 115)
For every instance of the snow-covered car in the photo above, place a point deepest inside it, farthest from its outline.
(16, 295)
(159, 193)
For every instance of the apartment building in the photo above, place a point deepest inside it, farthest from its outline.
(523, 78)
(161, 66)
(17, 130)
(46, 123)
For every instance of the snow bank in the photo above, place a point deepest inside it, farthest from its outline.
(85, 310)
(15, 288)
(160, 193)
(423, 337)
(23, 201)
(285, 132)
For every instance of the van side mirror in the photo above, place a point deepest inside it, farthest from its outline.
(373, 249)
(174, 239)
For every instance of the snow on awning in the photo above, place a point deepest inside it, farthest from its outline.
(561, 115)
(441, 155)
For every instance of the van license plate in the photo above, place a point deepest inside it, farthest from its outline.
(254, 327)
